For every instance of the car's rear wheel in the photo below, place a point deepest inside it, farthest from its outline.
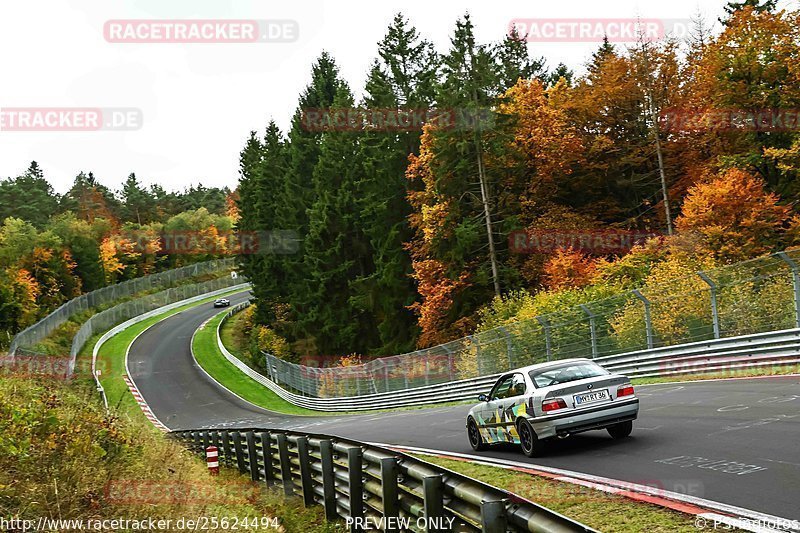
(530, 443)
(621, 430)
(475, 439)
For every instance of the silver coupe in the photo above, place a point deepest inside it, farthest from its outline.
(529, 405)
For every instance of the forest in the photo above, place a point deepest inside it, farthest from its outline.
(55, 247)
(406, 224)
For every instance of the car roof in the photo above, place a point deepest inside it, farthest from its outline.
(539, 366)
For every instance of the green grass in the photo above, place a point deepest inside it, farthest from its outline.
(64, 457)
(111, 359)
(594, 508)
(210, 358)
(731, 373)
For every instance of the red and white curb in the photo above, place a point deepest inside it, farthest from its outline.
(709, 514)
(143, 404)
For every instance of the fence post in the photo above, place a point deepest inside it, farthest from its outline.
(795, 283)
(355, 484)
(306, 481)
(389, 491)
(509, 346)
(592, 328)
(547, 341)
(252, 455)
(286, 465)
(450, 362)
(493, 516)
(433, 501)
(477, 354)
(648, 321)
(714, 307)
(328, 481)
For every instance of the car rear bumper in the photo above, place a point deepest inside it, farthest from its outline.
(585, 420)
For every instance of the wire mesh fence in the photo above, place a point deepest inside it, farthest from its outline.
(754, 296)
(25, 341)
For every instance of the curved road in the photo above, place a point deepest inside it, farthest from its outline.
(735, 442)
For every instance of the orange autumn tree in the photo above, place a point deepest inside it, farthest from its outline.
(569, 268)
(544, 139)
(111, 264)
(431, 222)
(751, 69)
(734, 216)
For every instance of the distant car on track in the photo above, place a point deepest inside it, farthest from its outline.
(222, 302)
(556, 399)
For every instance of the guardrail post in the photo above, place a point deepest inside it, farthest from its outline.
(266, 451)
(433, 501)
(286, 465)
(252, 455)
(648, 321)
(592, 328)
(493, 516)
(206, 440)
(547, 340)
(328, 480)
(355, 484)
(714, 308)
(306, 481)
(226, 446)
(237, 448)
(795, 283)
(389, 491)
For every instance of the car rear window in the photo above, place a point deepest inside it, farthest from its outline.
(565, 373)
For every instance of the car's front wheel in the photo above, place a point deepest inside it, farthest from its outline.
(475, 439)
(530, 443)
(621, 430)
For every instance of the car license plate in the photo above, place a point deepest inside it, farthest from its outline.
(591, 397)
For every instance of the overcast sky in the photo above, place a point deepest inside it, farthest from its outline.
(199, 101)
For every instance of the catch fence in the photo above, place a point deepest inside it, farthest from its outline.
(756, 296)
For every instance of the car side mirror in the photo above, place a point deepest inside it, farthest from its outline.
(483, 398)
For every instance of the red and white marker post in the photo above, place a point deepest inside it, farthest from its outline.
(212, 459)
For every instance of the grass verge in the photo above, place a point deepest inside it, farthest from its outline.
(597, 509)
(210, 358)
(65, 458)
(730, 373)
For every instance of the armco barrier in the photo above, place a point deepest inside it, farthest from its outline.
(353, 480)
(728, 356)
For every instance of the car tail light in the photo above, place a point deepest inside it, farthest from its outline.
(625, 390)
(552, 405)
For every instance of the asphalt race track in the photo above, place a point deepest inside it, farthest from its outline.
(735, 442)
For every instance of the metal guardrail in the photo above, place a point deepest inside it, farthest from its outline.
(353, 480)
(730, 356)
